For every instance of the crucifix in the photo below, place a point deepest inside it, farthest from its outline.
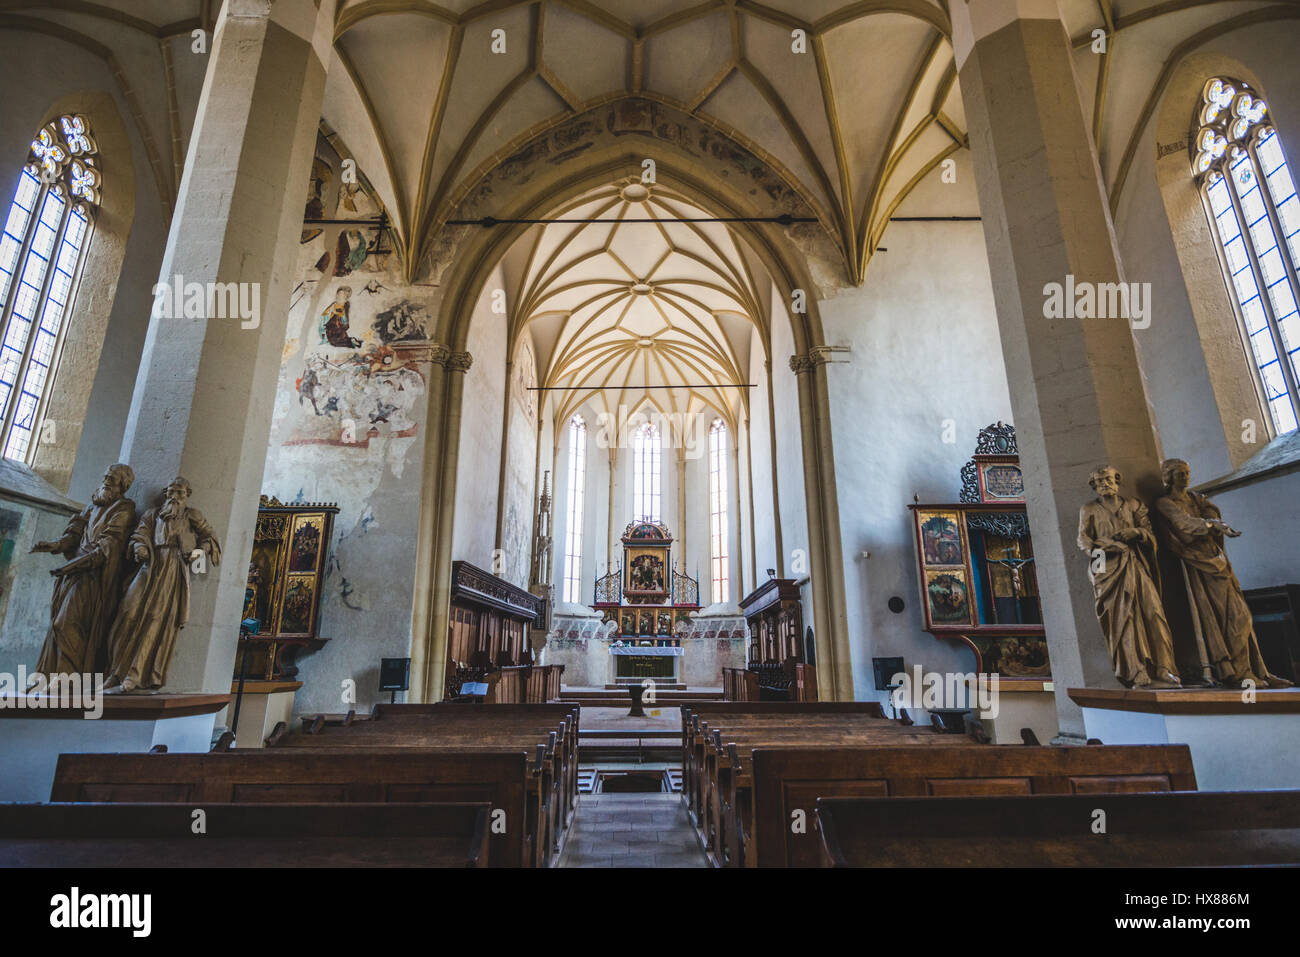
(1015, 564)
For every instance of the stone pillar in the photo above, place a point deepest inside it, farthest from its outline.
(425, 685)
(455, 365)
(825, 562)
(206, 384)
(734, 531)
(1076, 387)
(611, 533)
(682, 520)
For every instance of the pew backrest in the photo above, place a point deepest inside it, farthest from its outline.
(245, 835)
(317, 775)
(787, 782)
(1183, 829)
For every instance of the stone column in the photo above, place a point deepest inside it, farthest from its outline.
(825, 562)
(681, 506)
(206, 384)
(749, 478)
(734, 531)
(425, 685)
(455, 365)
(1077, 390)
(610, 531)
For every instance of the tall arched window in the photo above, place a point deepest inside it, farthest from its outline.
(645, 473)
(718, 511)
(41, 250)
(1253, 207)
(573, 535)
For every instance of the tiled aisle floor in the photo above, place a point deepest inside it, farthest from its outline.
(632, 830)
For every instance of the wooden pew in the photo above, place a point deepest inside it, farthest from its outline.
(724, 763)
(325, 776)
(244, 835)
(693, 712)
(566, 712)
(1187, 829)
(553, 793)
(569, 714)
(787, 780)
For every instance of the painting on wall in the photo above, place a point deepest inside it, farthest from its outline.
(646, 571)
(627, 622)
(941, 538)
(1000, 478)
(298, 604)
(321, 175)
(664, 627)
(405, 321)
(947, 597)
(335, 321)
(359, 397)
(1021, 656)
(11, 522)
(523, 379)
(304, 548)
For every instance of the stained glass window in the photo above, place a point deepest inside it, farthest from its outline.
(41, 251)
(718, 511)
(577, 482)
(645, 473)
(1252, 204)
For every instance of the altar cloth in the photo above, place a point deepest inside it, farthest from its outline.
(655, 651)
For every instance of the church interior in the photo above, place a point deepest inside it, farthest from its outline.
(650, 433)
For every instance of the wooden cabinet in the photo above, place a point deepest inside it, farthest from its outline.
(975, 564)
(777, 669)
(286, 575)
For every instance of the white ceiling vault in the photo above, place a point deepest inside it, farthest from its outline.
(854, 123)
(631, 310)
(857, 122)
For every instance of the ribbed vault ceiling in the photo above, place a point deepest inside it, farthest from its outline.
(636, 307)
(853, 124)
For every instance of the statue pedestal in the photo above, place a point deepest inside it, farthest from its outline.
(33, 734)
(1023, 703)
(264, 705)
(1235, 745)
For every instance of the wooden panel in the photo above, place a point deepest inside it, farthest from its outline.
(1180, 829)
(1111, 784)
(936, 771)
(242, 835)
(289, 794)
(135, 793)
(942, 787)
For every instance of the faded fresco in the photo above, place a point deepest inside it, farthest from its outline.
(348, 428)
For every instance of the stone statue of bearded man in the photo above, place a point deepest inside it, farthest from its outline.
(157, 602)
(1193, 528)
(1117, 534)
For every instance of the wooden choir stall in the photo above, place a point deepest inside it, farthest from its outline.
(488, 655)
(778, 667)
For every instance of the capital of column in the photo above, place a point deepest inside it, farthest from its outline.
(457, 361)
(799, 364)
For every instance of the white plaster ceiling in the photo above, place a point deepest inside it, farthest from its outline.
(857, 124)
(653, 315)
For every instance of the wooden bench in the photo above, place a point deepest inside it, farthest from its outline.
(244, 835)
(1186, 829)
(785, 781)
(319, 776)
(697, 711)
(486, 728)
(723, 762)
